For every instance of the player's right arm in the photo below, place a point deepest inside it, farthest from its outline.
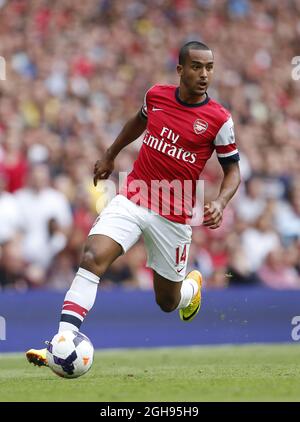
(130, 132)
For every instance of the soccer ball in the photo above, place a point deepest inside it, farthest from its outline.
(70, 354)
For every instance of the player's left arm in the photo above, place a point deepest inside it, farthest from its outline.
(228, 157)
(213, 211)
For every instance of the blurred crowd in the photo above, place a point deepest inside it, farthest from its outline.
(76, 71)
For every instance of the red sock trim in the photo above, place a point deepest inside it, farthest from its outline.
(74, 307)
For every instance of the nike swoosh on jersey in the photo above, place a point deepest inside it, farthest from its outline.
(157, 109)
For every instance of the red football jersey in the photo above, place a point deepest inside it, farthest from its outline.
(178, 141)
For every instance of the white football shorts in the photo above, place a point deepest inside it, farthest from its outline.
(167, 243)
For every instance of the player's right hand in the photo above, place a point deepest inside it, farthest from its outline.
(103, 169)
(213, 214)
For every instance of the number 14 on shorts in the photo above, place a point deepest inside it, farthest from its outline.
(181, 256)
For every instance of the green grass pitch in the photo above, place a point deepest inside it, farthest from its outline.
(222, 373)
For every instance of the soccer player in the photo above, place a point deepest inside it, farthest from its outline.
(183, 126)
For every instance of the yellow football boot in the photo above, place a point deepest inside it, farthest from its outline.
(189, 313)
(37, 357)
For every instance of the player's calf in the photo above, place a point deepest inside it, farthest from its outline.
(167, 292)
(167, 304)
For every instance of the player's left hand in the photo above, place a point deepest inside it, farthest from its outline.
(213, 214)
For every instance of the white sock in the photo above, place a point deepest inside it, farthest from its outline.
(188, 290)
(79, 300)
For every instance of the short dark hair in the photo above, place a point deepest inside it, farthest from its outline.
(192, 45)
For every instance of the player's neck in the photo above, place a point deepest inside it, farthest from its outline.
(189, 98)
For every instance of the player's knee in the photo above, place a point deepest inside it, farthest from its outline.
(94, 260)
(166, 304)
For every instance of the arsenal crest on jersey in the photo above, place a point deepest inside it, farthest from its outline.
(200, 126)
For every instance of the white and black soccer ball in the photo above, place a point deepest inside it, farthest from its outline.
(70, 354)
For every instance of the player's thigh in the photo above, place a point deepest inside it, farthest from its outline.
(114, 232)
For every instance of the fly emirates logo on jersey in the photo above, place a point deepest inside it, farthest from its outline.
(166, 145)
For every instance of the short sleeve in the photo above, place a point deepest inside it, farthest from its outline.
(144, 111)
(225, 145)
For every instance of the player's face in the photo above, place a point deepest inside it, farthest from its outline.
(196, 73)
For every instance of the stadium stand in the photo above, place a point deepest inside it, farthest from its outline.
(77, 70)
